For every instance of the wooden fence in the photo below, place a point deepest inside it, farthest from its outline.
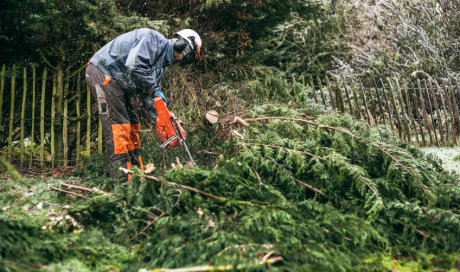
(46, 118)
(423, 112)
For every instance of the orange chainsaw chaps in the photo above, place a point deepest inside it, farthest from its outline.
(165, 124)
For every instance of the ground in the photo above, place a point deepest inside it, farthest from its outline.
(447, 155)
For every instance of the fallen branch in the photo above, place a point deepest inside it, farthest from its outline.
(160, 181)
(67, 192)
(191, 189)
(313, 123)
(71, 186)
(86, 189)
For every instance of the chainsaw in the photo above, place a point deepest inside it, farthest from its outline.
(169, 128)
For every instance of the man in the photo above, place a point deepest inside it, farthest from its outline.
(132, 64)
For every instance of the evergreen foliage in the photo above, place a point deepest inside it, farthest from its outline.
(321, 190)
(324, 192)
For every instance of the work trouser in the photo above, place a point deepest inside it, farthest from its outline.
(120, 124)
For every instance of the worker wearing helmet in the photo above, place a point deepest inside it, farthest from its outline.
(133, 64)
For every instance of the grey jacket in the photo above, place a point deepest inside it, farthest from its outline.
(136, 60)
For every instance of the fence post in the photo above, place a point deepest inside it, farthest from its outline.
(338, 96)
(444, 111)
(42, 119)
(387, 104)
(456, 106)
(410, 111)
(424, 112)
(454, 110)
(365, 102)
(430, 116)
(403, 110)
(58, 122)
(99, 136)
(355, 97)
(450, 111)
(344, 84)
(443, 108)
(320, 86)
(23, 113)
(2, 88)
(65, 125)
(371, 101)
(432, 94)
(77, 111)
(88, 121)
(53, 114)
(328, 84)
(10, 130)
(442, 93)
(396, 111)
(418, 113)
(33, 113)
(382, 111)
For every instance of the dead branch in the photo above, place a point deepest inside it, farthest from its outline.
(153, 221)
(67, 192)
(76, 187)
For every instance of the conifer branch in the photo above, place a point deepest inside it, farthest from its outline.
(192, 189)
(337, 129)
(289, 149)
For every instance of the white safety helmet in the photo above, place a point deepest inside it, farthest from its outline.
(188, 42)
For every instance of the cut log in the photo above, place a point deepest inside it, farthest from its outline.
(212, 116)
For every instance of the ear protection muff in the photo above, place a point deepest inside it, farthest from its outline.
(180, 44)
(184, 46)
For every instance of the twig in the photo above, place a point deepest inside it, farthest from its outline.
(240, 121)
(67, 192)
(153, 221)
(206, 152)
(315, 190)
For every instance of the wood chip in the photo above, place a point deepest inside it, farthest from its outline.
(149, 168)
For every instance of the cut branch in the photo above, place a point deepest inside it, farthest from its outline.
(70, 186)
(67, 192)
(191, 189)
(344, 131)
